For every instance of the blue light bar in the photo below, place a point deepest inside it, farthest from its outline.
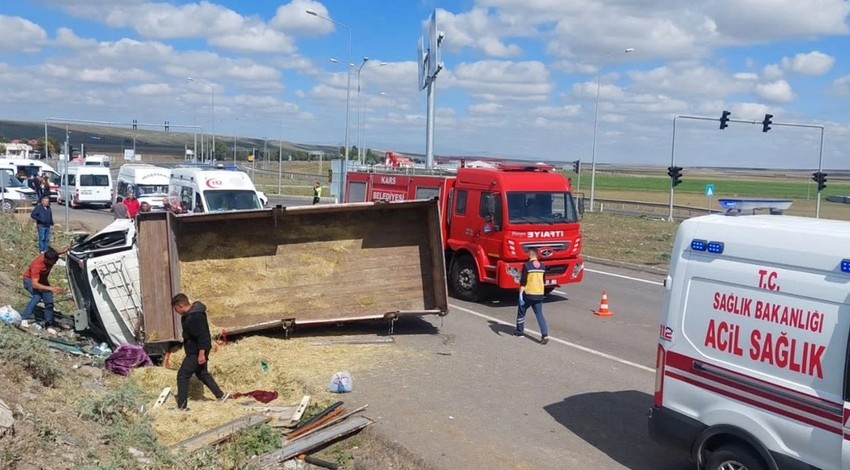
(698, 245)
(845, 265)
(715, 247)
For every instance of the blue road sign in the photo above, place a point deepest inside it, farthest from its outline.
(709, 190)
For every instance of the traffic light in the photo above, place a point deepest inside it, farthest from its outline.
(166, 126)
(820, 178)
(135, 124)
(675, 174)
(577, 166)
(765, 125)
(724, 120)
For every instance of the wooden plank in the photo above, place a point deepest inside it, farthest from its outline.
(299, 411)
(330, 422)
(155, 282)
(163, 395)
(352, 340)
(302, 446)
(219, 433)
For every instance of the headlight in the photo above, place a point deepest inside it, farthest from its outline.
(577, 269)
(513, 272)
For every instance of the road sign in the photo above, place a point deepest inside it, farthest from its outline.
(709, 190)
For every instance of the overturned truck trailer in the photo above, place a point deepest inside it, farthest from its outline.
(262, 269)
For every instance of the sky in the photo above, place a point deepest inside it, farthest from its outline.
(519, 79)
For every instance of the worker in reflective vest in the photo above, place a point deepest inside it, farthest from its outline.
(531, 294)
(317, 193)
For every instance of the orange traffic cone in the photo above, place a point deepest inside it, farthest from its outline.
(603, 306)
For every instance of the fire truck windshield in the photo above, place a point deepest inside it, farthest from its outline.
(540, 207)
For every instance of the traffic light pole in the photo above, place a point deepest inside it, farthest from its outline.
(745, 121)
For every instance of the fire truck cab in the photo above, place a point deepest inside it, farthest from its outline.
(489, 218)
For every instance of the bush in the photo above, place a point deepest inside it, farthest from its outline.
(30, 353)
(114, 407)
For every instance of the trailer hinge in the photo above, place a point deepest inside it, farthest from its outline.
(288, 325)
(392, 317)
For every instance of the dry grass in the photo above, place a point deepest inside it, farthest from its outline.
(295, 369)
(637, 240)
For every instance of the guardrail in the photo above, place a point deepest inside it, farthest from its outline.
(651, 209)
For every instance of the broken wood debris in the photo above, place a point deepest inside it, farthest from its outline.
(352, 340)
(337, 416)
(219, 433)
(163, 395)
(318, 439)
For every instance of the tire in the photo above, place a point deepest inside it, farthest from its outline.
(734, 457)
(8, 206)
(464, 279)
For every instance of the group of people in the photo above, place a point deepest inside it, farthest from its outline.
(40, 184)
(128, 208)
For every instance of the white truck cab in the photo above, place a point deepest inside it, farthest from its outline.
(752, 357)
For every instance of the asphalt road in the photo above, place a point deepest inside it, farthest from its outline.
(474, 396)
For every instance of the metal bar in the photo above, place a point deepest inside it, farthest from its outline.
(303, 445)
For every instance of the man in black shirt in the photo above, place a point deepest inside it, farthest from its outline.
(197, 343)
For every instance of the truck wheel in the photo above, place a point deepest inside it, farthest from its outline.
(734, 457)
(464, 279)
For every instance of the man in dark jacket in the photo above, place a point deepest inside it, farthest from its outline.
(197, 343)
(43, 217)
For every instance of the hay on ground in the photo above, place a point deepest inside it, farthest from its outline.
(294, 369)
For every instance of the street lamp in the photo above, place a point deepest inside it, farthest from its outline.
(212, 107)
(348, 70)
(596, 121)
(360, 142)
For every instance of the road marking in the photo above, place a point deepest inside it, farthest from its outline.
(625, 277)
(558, 340)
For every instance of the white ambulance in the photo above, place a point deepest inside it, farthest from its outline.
(208, 189)
(149, 183)
(752, 360)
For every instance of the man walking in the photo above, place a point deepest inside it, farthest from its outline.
(317, 193)
(36, 282)
(43, 217)
(531, 294)
(197, 343)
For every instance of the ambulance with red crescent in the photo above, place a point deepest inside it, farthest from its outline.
(752, 358)
(209, 189)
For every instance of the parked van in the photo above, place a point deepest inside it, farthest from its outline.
(147, 182)
(86, 185)
(23, 168)
(752, 359)
(14, 193)
(210, 190)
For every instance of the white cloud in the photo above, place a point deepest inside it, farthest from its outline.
(19, 34)
(293, 18)
(67, 38)
(772, 72)
(755, 111)
(688, 78)
(503, 80)
(813, 63)
(486, 108)
(150, 89)
(567, 111)
(475, 29)
(746, 76)
(842, 85)
(257, 37)
(778, 91)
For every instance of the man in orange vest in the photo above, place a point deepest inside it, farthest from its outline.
(531, 294)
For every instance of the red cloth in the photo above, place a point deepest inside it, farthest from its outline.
(262, 396)
(132, 206)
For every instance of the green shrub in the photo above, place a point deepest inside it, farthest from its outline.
(114, 407)
(30, 353)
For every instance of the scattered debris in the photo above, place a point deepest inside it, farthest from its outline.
(163, 395)
(318, 439)
(219, 433)
(299, 412)
(262, 396)
(126, 358)
(7, 420)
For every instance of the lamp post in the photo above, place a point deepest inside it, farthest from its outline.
(361, 144)
(596, 121)
(212, 109)
(348, 70)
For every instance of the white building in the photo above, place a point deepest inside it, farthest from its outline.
(18, 150)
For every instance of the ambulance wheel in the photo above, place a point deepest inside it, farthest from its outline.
(734, 457)
(464, 279)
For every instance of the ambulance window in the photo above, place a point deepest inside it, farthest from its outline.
(460, 206)
(186, 196)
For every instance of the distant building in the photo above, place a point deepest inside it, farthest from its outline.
(16, 149)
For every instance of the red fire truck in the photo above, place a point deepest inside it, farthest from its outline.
(489, 217)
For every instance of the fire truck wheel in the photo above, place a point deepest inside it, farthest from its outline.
(734, 457)
(464, 279)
